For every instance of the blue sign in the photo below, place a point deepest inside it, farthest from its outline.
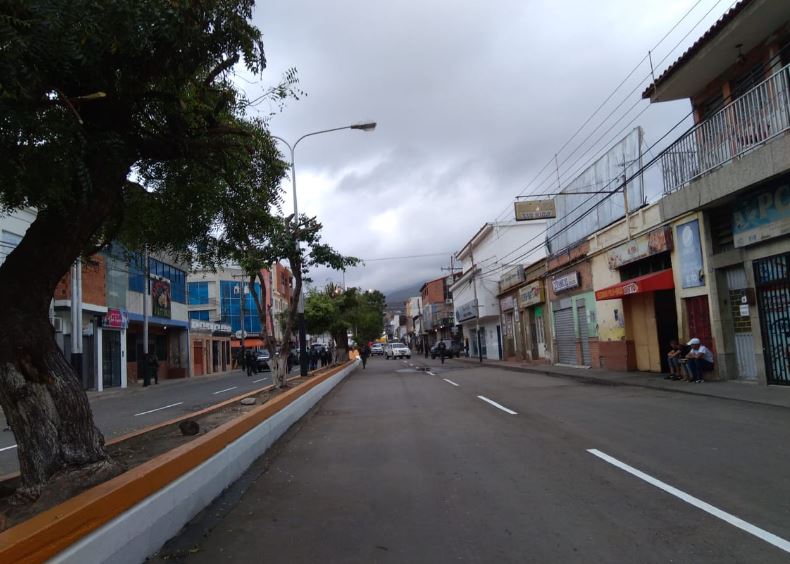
(763, 216)
(690, 250)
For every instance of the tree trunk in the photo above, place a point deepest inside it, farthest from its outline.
(40, 393)
(279, 368)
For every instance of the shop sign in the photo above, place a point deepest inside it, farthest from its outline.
(466, 311)
(160, 298)
(507, 303)
(511, 278)
(531, 294)
(535, 209)
(690, 250)
(208, 326)
(115, 319)
(652, 243)
(761, 217)
(565, 282)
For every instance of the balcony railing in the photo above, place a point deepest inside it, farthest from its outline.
(747, 122)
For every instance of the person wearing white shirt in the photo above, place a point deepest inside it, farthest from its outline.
(699, 360)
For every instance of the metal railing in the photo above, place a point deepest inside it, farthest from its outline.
(745, 123)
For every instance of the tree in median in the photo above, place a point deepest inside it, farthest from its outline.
(119, 120)
(338, 312)
(256, 240)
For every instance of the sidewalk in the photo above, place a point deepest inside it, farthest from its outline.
(776, 396)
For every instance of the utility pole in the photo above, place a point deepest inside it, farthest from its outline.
(477, 305)
(76, 316)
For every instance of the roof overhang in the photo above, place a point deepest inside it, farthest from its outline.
(749, 23)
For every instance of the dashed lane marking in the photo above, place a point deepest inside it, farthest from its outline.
(450, 382)
(158, 409)
(7, 448)
(225, 390)
(498, 406)
(761, 534)
(429, 372)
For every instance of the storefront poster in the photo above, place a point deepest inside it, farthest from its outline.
(511, 278)
(531, 294)
(761, 217)
(690, 251)
(507, 303)
(160, 298)
(115, 319)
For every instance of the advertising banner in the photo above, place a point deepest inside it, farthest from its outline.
(115, 319)
(466, 311)
(657, 241)
(690, 250)
(531, 294)
(535, 209)
(160, 298)
(761, 217)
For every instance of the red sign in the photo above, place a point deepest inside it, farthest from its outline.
(662, 280)
(115, 319)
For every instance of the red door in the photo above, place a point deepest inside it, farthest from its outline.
(197, 355)
(699, 320)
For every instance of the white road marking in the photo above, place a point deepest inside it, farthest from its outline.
(225, 390)
(7, 448)
(158, 408)
(449, 381)
(762, 534)
(495, 404)
(260, 380)
(431, 373)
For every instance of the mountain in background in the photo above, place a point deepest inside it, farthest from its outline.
(396, 298)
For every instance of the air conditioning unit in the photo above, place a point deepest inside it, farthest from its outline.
(449, 301)
(57, 323)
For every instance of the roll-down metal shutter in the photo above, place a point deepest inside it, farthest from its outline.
(566, 335)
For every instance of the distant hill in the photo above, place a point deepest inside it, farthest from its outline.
(396, 298)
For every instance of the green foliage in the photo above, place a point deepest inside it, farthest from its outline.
(336, 311)
(132, 103)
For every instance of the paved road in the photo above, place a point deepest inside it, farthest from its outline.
(404, 466)
(117, 412)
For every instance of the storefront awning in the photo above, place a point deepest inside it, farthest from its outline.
(662, 280)
(249, 343)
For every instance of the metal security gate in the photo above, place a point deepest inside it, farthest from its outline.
(773, 300)
(566, 335)
(584, 331)
(741, 325)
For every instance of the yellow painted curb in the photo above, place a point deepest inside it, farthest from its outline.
(54, 530)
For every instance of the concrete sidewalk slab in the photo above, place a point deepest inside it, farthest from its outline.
(776, 396)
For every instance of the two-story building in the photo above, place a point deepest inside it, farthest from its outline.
(727, 190)
(495, 249)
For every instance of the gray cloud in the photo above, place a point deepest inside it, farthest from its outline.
(472, 99)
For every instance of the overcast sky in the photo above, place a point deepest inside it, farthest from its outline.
(472, 99)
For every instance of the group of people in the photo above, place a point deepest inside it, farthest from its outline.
(320, 357)
(689, 362)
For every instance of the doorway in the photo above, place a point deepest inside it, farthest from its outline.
(111, 359)
(666, 323)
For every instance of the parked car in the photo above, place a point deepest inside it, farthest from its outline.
(452, 349)
(396, 350)
(262, 360)
(377, 349)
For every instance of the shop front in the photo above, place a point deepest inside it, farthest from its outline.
(168, 339)
(111, 344)
(574, 316)
(641, 308)
(507, 306)
(210, 346)
(535, 329)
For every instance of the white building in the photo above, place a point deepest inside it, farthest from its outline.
(494, 249)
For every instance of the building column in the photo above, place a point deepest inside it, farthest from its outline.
(99, 345)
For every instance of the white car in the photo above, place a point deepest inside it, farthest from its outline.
(396, 350)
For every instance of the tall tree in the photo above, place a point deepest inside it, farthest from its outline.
(337, 311)
(119, 119)
(257, 241)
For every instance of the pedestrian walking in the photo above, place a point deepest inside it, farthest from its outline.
(365, 355)
(442, 348)
(249, 361)
(151, 369)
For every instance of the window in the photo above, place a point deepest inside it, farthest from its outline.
(116, 280)
(202, 315)
(230, 306)
(198, 293)
(177, 277)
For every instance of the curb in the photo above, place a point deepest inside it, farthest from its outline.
(130, 516)
(603, 382)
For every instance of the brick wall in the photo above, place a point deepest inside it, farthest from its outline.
(94, 282)
(433, 292)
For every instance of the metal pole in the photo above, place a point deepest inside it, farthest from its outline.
(146, 294)
(303, 360)
(76, 317)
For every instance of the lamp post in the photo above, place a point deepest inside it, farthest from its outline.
(367, 126)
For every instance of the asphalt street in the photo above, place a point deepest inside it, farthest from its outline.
(474, 464)
(120, 411)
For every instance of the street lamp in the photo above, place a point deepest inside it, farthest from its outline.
(365, 126)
